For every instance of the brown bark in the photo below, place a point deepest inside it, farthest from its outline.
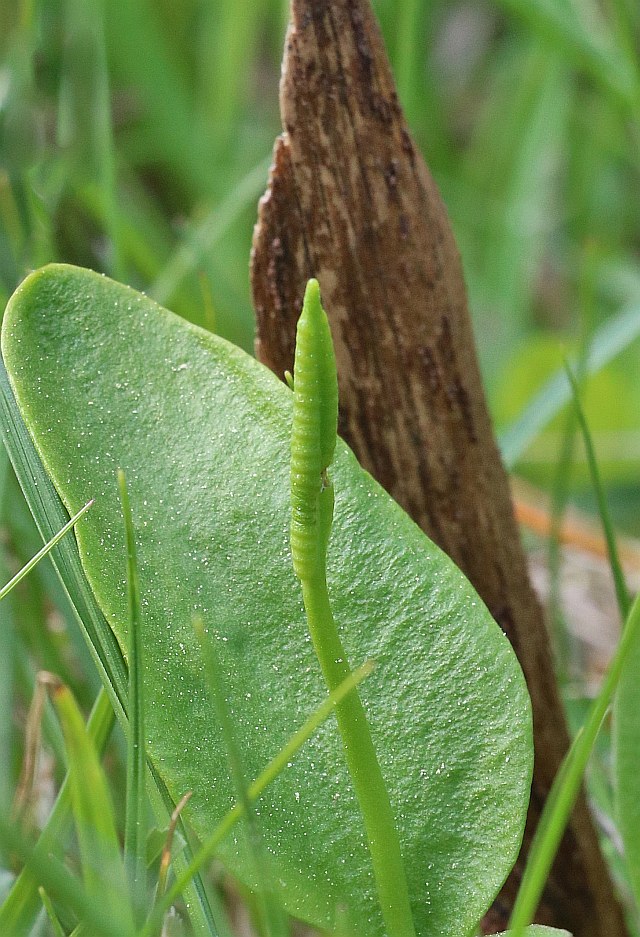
(351, 201)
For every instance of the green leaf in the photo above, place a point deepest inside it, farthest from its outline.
(18, 912)
(566, 784)
(105, 378)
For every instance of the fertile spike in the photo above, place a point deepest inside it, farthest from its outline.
(313, 436)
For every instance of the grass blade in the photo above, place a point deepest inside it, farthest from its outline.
(135, 836)
(202, 239)
(566, 785)
(50, 515)
(44, 551)
(59, 883)
(54, 920)
(609, 340)
(102, 866)
(622, 594)
(20, 908)
(626, 764)
(597, 56)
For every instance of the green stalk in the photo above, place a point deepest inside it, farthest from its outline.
(362, 762)
(313, 438)
(566, 786)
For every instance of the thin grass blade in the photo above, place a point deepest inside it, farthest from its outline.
(608, 341)
(202, 239)
(44, 551)
(54, 920)
(566, 785)
(622, 593)
(50, 515)
(51, 874)
(20, 908)
(102, 867)
(135, 835)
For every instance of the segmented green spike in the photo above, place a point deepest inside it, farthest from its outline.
(313, 436)
(313, 441)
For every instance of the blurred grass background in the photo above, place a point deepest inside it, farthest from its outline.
(135, 139)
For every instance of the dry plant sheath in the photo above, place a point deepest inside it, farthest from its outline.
(351, 202)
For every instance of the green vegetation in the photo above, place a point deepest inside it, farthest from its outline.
(135, 140)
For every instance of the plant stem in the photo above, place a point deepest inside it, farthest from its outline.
(362, 762)
(313, 439)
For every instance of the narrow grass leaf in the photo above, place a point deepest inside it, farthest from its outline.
(84, 110)
(50, 873)
(102, 866)
(566, 785)
(626, 764)
(31, 748)
(202, 239)
(608, 341)
(165, 856)
(54, 920)
(44, 551)
(594, 53)
(135, 835)
(20, 908)
(271, 919)
(50, 516)
(622, 593)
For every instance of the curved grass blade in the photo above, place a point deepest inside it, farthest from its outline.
(559, 24)
(50, 515)
(270, 773)
(622, 593)
(626, 764)
(54, 920)
(102, 866)
(165, 859)
(20, 908)
(608, 341)
(566, 785)
(202, 239)
(26, 569)
(59, 883)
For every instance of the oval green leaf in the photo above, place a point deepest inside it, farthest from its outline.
(105, 378)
